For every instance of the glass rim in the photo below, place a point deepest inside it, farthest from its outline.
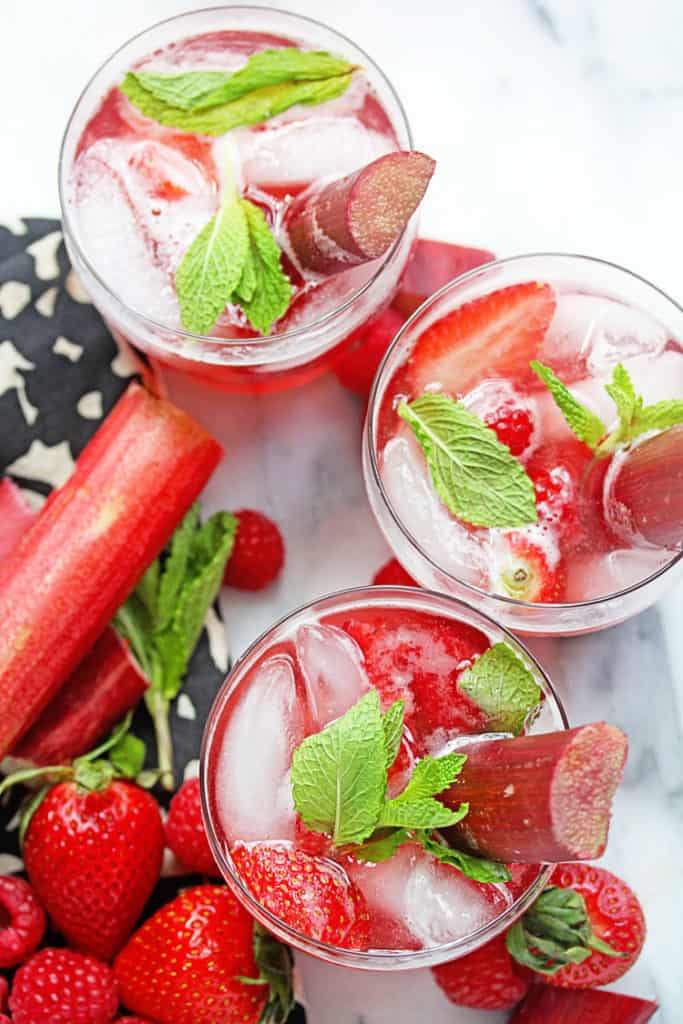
(383, 959)
(270, 340)
(373, 410)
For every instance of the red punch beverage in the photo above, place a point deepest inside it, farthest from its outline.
(524, 445)
(231, 110)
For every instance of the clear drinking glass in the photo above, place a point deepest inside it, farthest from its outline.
(238, 364)
(342, 986)
(604, 314)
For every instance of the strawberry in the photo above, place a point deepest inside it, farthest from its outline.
(432, 265)
(493, 336)
(259, 552)
(22, 921)
(184, 964)
(316, 843)
(616, 917)
(93, 858)
(392, 574)
(558, 472)
(58, 986)
(487, 979)
(132, 1020)
(523, 570)
(310, 894)
(4, 1019)
(356, 368)
(185, 832)
(4, 992)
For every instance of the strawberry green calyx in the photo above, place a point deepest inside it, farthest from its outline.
(555, 931)
(275, 964)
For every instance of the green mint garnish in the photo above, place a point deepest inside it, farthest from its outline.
(479, 869)
(555, 931)
(503, 687)
(635, 418)
(475, 475)
(164, 616)
(392, 724)
(215, 102)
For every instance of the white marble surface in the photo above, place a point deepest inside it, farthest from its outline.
(556, 125)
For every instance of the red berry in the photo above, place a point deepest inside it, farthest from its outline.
(22, 921)
(93, 859)
(185, 832)
(514, 427)
(4, 992)
(616, 917)
(392, 574)
(357, 367)
(4, 1019)
(58, 986)
(259, 552)
(311, 894)
(524, 572)
(316, 843)
(184, 964)
(558, 472)
(487, 979)
(132, 1020)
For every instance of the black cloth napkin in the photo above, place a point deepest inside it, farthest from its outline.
(60, 374)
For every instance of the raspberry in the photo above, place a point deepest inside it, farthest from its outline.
(22, 921)
(514, 427)
(185, 833)
(58, 986)
(258, 554)
(392, 574)
(4, 992)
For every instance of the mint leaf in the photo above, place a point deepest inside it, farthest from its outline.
(148, 588)
(339, 775)
(502, 685)
(128, 756)
(252, 108)
(382, 847)
(473, 473)
(197, 90)
(392, 724)
(432, 775)
(477, 868)
(588, 427)
(425, 813)
(212, 266)
(264, 290)
(171, 579)
(623, 394)
(659, 416)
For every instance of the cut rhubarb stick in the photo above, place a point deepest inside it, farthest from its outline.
(16, 515)
(357, 218)
(545, 797)
(545, 1005)
(89, 545)
(99, 693)
(432, 265)
(645, 497)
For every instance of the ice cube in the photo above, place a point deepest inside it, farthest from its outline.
(591, 576)
(621, 332)
(331, 665)
(657, 379)
(253, 787)
(410, 490)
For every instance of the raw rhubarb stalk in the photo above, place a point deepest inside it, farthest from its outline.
(358, 218)
(106, 686)
(90, 544)
(645, 496)
(545, 797)
(432, 265)
(16, 515)
(546, 1005)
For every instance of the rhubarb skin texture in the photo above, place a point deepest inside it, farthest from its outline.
(90, 544)
(590, 1006)
(16, 515)
(106, 686)
(648, 491)
(540, 798)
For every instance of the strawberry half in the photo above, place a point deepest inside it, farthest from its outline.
(310, 894)
(494, 336)
(523, 571)
(488, 979)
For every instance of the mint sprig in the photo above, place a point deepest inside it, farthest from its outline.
(474, 474)
(503, 687)
(635, 418)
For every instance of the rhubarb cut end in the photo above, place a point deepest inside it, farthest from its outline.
(384, 198)
(585, 781)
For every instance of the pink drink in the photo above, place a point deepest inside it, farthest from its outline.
(136, 194)
(303, 674)
(580, 318)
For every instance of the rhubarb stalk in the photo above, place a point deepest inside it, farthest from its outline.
(545, 797)
(358, 218)
(16, 515)
(89, 545)
(546, 1005)
(645, 498)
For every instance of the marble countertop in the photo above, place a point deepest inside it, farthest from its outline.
(555, 128)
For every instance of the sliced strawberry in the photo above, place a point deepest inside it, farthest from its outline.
(356, 369)
(488, 979)
(523, 571)
(318, 844)
(432, 265)
(311, 894)
(494, 336)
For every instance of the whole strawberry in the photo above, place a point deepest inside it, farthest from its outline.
(22, 923)
(487, 979)
(59, 986)
(93, 857)
(184, 964)
(185, 832)
(259, 552)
